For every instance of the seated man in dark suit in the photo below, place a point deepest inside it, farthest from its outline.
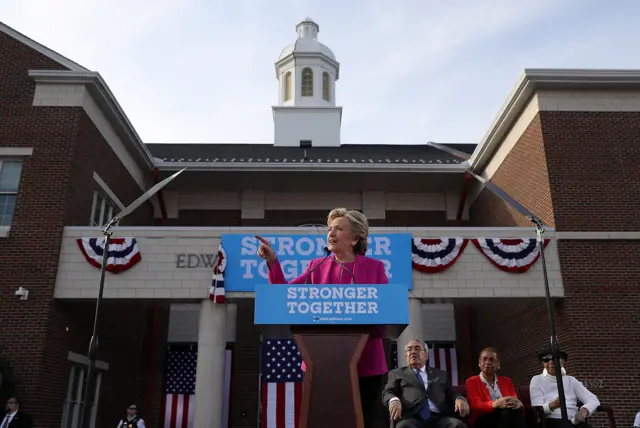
(422, 397)
(15, 418)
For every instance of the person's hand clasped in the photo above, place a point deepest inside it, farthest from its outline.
(395, 409)
(555, 404)
(581, 416)
(265, 250)
(512, 403)
(462, 407)
(500, 403)
(507, 403)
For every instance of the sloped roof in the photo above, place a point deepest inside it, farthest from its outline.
(389, 154)
(55, 56)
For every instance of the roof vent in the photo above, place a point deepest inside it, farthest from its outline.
(305, 143)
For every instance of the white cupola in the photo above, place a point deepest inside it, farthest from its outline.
(307, 72)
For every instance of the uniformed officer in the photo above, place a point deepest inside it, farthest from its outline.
(132, 420)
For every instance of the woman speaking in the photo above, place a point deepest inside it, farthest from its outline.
(347, 239)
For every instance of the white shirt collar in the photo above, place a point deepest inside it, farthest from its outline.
(423, 369)
(484, 379)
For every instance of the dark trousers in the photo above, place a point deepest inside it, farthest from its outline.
(502, 418)
(370, 390)
(559, 423)
(436, 420)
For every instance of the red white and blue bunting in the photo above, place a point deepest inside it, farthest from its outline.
(432, 255)
(515, 255)
(511, 255)
(123, 253)
(216, 292)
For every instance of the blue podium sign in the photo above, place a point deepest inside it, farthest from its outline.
(331, 304)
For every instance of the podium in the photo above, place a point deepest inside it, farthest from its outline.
(331, 325)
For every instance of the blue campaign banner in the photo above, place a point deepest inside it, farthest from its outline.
(245, 269)
(331, 304)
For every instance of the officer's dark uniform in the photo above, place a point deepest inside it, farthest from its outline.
(133, 423)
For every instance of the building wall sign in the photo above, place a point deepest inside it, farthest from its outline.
(195, 261)
(245, 268)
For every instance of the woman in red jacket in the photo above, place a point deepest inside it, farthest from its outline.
(492, 398)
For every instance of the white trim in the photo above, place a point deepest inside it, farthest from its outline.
(208, 232)
(55, 56)
(108, 191)
(105, 100)
(93, 206)
(535, 79)
(16, 151)
(598, 235)
(4, 231)
(83, 359)
(311, 166)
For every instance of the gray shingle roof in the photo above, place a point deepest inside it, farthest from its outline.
(347, 153)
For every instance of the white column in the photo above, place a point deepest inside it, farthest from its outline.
(415, 329)
(210, 367)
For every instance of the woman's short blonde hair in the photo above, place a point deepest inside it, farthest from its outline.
(359, 226)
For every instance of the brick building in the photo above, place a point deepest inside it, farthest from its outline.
(566, 144)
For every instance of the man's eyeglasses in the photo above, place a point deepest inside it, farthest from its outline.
(414, 348)
(11, 402)
(549, 359)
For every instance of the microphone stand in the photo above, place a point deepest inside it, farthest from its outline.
(540, 229)
(89, 386)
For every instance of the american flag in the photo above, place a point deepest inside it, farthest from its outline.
(281, 378)
(441, 355)
(180, 385)
(216, 292)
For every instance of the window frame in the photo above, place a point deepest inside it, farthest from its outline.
(288, 87)
(106, 204)
(4, 159)
(326, 87)
(306, 85)
(73, 402)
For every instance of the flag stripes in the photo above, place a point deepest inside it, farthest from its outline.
(280, 383)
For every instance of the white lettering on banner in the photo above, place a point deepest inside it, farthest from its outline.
(379, 246)
(311, 247)
(290, 268)
(332, 293)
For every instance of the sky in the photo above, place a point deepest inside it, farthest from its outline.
(202, 71)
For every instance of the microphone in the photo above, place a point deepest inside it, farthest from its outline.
(328, 253)
(353, 277)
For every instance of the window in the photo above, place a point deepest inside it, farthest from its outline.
(326, 90)
(103, 209)
(74, 399)
(307, 82)
(9, 181)
(306, 143)
(287, 86)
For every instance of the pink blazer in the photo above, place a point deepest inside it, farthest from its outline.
(366, 271)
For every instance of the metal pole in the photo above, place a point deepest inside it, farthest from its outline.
(555, 348)
(89, 390)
